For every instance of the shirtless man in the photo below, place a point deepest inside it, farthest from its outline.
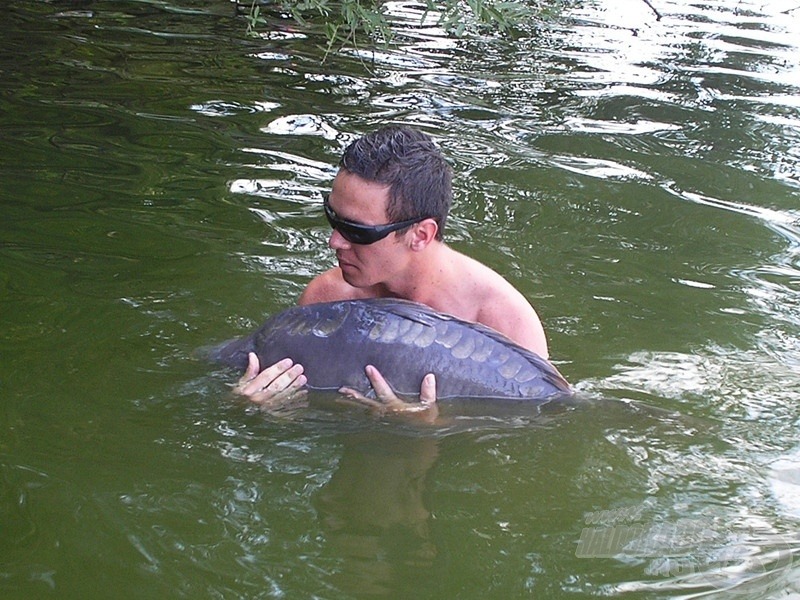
(388, 207)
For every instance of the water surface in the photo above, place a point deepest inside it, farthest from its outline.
(637, 179)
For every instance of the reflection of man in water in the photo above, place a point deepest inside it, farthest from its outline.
(374, 513)
(388, 207)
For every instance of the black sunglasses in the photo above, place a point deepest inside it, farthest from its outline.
(358, 233)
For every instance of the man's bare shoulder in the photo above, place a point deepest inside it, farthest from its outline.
(330, 286)
(486, 286)
(502, 306)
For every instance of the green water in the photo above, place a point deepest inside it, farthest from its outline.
(638, 180)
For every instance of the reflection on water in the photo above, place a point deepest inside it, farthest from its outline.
(637, 179)
(374, 512)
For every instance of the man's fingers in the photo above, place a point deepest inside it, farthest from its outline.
(356, 398)
(282, 403)
(283, 386)
(427, 394)
(271, 380)
(252, 380)
(293, 391)
(286, 378)
(252, 368)
(272, 372)
(382, 389)
(287, 386)
(387, 400)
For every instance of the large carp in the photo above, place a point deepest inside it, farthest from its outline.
(334, 341)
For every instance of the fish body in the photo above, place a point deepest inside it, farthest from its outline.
(405, 340)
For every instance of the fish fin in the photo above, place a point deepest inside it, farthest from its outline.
(406, 309)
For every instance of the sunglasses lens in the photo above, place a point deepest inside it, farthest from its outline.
(357, 235)
(353, 232)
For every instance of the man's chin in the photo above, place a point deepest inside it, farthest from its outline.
(350, 274)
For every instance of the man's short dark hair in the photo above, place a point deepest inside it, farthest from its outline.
(406, 160)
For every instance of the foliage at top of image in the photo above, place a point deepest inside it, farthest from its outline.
(345, 21)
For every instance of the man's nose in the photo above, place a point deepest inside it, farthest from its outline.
(337, 241)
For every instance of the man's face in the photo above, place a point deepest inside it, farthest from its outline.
(355, 199)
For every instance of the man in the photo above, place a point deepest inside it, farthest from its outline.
(388, 207)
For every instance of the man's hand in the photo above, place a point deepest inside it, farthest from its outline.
(388, 402)
(274, 386)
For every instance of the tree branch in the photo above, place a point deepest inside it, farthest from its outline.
(653, 8)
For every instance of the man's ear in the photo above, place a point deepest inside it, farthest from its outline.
(422, 234)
